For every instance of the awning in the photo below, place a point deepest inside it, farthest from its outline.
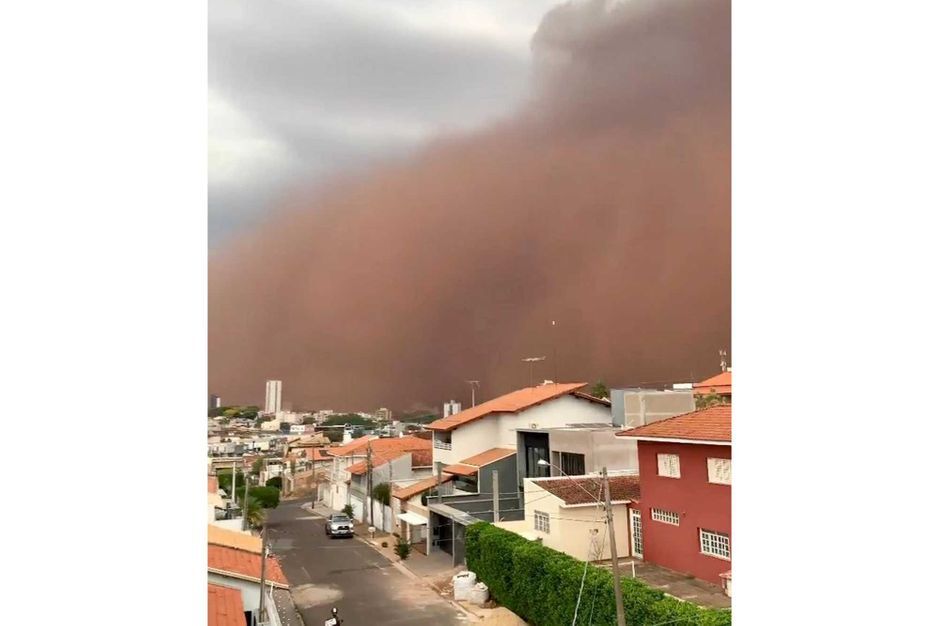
(412, 519)
(461, 469)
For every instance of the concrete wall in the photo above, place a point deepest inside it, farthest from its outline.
(600, 448)
(699, 503)
(635, 407)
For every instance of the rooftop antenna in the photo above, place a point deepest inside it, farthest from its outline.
(474, 385)
(532, 360)
(723, 354)
(554, 352)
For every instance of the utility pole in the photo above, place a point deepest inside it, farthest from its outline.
(615, 565)
(369, 479)
(473, 391)
(232, 494)
(264, 560)
(439, 496)
(495, 496)
(554, 352)
(244, 504)
(531, 360)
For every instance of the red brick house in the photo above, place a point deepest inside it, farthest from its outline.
(685, 478)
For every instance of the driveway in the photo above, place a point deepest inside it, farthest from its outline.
(348, 574)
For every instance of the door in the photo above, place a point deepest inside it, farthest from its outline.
(636, 533)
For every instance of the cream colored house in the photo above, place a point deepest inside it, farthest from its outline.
(567, 514)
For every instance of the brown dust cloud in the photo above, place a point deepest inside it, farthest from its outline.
(603, 204)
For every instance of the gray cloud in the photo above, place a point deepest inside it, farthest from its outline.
(330, 86)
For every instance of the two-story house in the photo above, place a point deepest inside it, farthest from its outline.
(478, 443)
(684, 518)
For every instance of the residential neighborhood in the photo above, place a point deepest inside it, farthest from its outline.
(640, 484)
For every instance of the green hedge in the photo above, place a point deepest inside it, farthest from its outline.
(541, 585)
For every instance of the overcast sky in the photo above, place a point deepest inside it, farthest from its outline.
(299, 89)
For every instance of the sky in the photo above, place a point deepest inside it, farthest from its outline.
(303, 89)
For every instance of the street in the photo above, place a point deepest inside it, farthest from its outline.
(348, 574)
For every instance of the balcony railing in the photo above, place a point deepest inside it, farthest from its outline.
(442, 445)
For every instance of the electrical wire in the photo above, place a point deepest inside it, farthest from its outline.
(577, 605)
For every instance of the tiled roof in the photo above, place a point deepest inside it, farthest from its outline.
(318, 454)
(234, 539)
(225, 606)
(509, 403)
(490, 456)
(461, 470)
(378, 460)
(711, 424)
(245, 565)
(420, 487)
(571, 492)
(387, 444)
(213, 484)
(720, 384)
(422, 458)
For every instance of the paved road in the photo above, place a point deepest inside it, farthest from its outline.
(350, 575)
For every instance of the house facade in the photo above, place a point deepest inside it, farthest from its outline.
(685, 477)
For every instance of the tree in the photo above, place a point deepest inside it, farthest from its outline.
(274, 482)
(347, 418)
(383, 493)
(254, 513)
(402, 548)
(268, 497)
(334, 435)
(348, 511)
(600, 390)
(709, 399)
(309, 420)
(225, 481)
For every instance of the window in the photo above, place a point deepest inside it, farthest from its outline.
(466, 483)
(442, 441)
(668, 465)
(715, 544)
(541, 521)
(719, 471)
(572, 463)
(667, 517)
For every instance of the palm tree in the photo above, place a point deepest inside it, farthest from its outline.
(254, 513)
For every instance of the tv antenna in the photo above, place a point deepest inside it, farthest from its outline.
(723, 355)
(532, 360)
(474, 385)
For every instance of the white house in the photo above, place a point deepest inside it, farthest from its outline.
(567, 514)
(494, 423)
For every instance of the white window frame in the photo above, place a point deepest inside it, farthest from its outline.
(714, 544)
(668, 465)
(541, 522)
(664, 516)
(717, 475)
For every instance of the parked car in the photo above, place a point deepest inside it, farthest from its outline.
(339, 525)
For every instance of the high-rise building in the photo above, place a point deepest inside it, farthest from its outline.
(451, 408)
(214, 401)
(383, 415)
(272, 396)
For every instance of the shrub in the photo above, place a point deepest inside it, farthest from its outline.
(348, 510)
(541, 585)
(383, 493)
(268, 497)
(273, 482)
(402, 549)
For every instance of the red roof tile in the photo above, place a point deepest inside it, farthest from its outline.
(358, 446)
(421, 486)
(579, 490)
(719, 384)
(245, 564)
(461, 470)
(225, 606)
(510, 403)
(711, 424)
(422, 458)
(490, 456)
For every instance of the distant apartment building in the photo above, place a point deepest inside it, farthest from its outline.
(637, 407)
(383, 415)
(214, 401)
(272, 396)
(451, 408)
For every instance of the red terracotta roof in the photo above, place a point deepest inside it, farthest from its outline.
(461, 470)
(378, 460)
(711, 424)
(225, 606)
(578, 490)
(421, 486)
(510, 403)
(245, 565)
(318, 454)
(719, 384)
(490, 456)
(422, 458)
(387, 444)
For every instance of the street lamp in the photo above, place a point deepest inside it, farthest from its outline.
(614, 564)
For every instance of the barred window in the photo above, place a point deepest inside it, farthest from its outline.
(715, 544)
(541, 522)
(667, 517)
